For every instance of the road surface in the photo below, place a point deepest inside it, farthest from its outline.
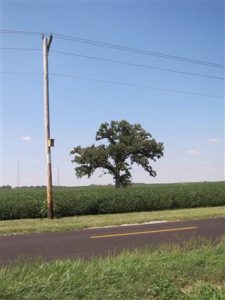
(87, 243)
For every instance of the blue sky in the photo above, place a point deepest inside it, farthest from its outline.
(190, 126)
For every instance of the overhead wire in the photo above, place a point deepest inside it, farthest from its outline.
(121, 62)
(136, 65)
(21, 48)
(23, 32)
(119, 47)
(139, 51)
(118, 62)
(136, 85)
(116, 83)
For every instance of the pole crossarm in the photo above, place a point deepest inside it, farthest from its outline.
(49, 42)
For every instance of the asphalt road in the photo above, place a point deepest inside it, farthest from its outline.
(87, 243)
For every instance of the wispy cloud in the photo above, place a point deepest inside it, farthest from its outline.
(193, 152)
(34, 161)
(212, 141)
(25, 138)
(204, 163)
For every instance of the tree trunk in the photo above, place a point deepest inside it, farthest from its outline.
(117, 185)
(117, 181)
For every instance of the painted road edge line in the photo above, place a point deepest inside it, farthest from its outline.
(141, 232)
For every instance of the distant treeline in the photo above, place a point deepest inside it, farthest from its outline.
(22, 187)
(91, 185)
(5, 187)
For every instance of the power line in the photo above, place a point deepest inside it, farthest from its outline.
(21, 72)
(119, 47)
(23, 32)
(118, 62)
(136, 65)
(139, 51)
(136, 85)
(20, 48)
(116, 83)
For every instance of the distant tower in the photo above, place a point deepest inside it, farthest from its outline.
(58, 176)
(18, 173)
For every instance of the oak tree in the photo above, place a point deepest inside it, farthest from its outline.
(125, 145)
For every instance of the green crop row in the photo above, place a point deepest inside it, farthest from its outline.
(30, 202)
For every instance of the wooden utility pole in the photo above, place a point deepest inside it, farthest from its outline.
(48, 141)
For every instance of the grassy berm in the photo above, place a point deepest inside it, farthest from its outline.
(31, 202)
(193, 272)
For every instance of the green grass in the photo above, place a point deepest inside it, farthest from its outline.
(79, 222)
(193, 272)
(31, 202)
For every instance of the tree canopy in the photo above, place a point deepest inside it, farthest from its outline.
(125, 145)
